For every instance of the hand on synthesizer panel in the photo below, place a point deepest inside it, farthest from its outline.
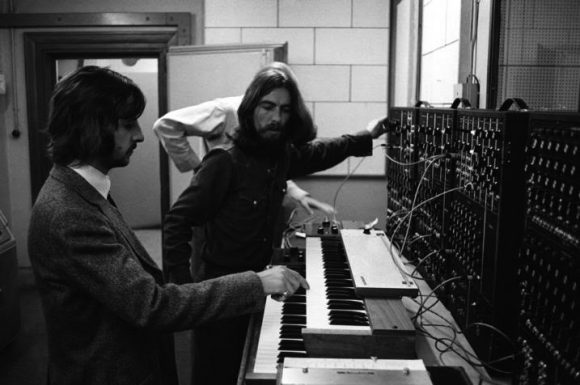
(377, 127)
(281, 282)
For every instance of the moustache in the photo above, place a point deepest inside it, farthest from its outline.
(274, 127)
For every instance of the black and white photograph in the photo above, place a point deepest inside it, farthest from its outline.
(289, 192)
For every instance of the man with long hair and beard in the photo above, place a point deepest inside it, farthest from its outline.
(236, 195)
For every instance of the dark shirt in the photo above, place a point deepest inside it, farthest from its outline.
(236, 196)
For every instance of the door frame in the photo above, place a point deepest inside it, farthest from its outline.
(41, 52)
(147, 35)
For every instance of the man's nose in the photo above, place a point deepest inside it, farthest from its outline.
(138, 135)
(277, 115)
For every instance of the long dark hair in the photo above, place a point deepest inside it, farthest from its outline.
(85, 109)
(300, 127)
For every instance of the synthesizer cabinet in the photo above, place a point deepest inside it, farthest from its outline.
(485, 228)
(549, 264)
(461, 170)
(509, 228)
(436, 183)
(401, 179)
(418, 149)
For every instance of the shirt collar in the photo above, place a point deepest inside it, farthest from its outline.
(100, 181)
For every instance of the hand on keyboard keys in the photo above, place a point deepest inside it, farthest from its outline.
(281, 282)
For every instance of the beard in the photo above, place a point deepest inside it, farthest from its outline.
(272, 134)
(272, 139)
(121, 158)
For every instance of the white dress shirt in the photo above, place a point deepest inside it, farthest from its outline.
(100, 181)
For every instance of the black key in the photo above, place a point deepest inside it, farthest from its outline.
(340, 292)
(300, 291)
(296, 299)
(293, 345)
(338, 283)
(291, 331)
(350, 322)
(336, 265)
(342, 304)
(348, 313)
(294, 308)
(337, 274)
(294, 319)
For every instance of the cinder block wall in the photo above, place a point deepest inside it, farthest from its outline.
(337, 48)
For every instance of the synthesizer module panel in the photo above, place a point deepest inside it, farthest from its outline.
(455, 192)
(549, 267)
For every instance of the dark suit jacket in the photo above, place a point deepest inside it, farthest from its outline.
(109, 315)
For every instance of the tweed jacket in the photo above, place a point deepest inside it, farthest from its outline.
(109, 314)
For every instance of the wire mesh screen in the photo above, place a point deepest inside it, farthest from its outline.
(540, 53)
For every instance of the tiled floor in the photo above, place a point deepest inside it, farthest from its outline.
(24, 361)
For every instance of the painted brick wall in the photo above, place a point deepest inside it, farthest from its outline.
(337, 48)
